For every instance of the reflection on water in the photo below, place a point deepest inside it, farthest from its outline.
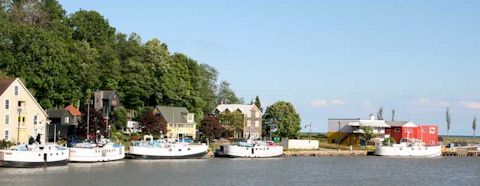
(274, 171)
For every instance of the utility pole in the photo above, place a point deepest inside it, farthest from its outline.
(338, 137)
(88, 118)
(310, 132)
(18, 125)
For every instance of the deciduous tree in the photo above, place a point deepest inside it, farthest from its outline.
(286, 119)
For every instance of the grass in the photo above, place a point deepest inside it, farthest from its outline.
(461, 140)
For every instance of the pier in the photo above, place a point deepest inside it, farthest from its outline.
(324, 153)
(460, 152)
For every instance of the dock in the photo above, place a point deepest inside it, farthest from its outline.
(324, 153)
(461, 152)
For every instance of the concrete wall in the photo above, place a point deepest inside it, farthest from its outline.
(300, 144)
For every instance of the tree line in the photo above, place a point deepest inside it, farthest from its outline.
(63, 59)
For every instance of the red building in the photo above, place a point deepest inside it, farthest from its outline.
(408, 130)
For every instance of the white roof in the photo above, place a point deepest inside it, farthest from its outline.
(233, 107)
(369, 123)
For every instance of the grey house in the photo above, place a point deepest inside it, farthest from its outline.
(63, 123)
(106, 101)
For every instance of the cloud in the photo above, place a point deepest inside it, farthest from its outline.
(469, 104)
(319, 103)
(338, 102)
(367, 104)
(425, 102)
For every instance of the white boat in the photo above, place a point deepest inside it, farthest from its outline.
(250, 149)
(165, 149)
(28, 156)
(97, 152)
(408, 148)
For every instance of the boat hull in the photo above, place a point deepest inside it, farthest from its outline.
(191, 156)
(48, 156)
(430, 151)
(234, 151)
(20, 164)
(91, 155)
(175, 151)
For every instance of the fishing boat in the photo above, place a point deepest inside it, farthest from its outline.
(29, 156)
(250, 149)
(149, 148)
(97, 152)
(408, 147)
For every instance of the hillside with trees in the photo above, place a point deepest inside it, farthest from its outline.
(64, 58)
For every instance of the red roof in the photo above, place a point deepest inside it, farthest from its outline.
(73, 111)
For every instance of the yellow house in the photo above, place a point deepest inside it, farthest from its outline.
(20, 114)
(180, 123)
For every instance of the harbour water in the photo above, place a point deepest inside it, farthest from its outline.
(276, 171)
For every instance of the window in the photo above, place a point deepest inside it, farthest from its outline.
(7, 104)
(424, 130)
(432, 130)
(248, 114)
(7, 119)
(257, 114)
(67, 119)
(249, 123)
(397, 129)
(35, 119)
(16, 90)
(6, 135)
(257, 123)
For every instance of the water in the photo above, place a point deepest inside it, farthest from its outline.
(280, 171)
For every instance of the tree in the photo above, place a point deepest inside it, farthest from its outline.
(96, 123)
(447, 115)
(120, 117)
(152, 124)
(232, 123)
(380, 114)
(226, 95)
(211, 127)
(367, 135)
(258, 104)
(474, 125)
(283, 115)
(393, 114)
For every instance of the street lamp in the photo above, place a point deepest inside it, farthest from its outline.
(19, 110)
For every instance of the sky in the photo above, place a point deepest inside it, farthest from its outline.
(330, 59)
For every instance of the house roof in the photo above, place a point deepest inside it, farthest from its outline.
(57, 113)
(73, 111)
(173, 114)
(5, 83)
(401, 124)
(107, 93)
(234, 107)
(369, 123)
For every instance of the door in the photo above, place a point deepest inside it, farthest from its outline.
(22, 136)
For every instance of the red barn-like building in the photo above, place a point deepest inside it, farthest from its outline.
(405, 129)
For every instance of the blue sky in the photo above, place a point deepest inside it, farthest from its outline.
(331, 59)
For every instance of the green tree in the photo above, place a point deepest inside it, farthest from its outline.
(226, 95)
(380, 114)
(447, 117)
(284, 116)
(474, 125)
(258, 104)
(233, 123)
(367, 135)
(120, 117)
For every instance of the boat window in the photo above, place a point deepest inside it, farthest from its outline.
(247, 148)
(413, 148)
(188, 149)
(39, 155)
(170, 150)
(400, 148)
(267, 148)
(179, 149)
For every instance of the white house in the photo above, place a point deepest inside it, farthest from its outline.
(21, 116)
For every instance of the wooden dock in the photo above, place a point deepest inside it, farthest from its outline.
(324, 153)
(460, 152)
